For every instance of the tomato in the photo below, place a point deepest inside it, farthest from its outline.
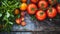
(58, 8)
(23, 13)
(22, 18)
(16, 11)
(40, 15)
(42, 4)
(34, 1)
(31, 9)
(23, 6)
(23, 23)
(24, 1)
(43, 0)
(18, 21)
(52, 2)
(51, 12)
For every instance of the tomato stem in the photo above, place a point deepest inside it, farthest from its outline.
(50, 9)
(42, 5)
(32, 9)
(41, 13)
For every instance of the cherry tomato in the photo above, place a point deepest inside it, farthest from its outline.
(23, 6)
(34, 1)
(16, 11)
(51, 12)
(22, 18)
(18, 21)
(24, 1)
(23, 23)
(23, 13)
(31, 9)
(52, 2)
(58, 8)
(43, 0)
(40, 15)
(42, 4)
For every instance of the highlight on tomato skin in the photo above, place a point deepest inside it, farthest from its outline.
(51, 12)
(58, 8)
(31, 9)
(41, 15)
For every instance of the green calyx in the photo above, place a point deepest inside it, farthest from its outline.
(42, 5)
(50, 10)
(52, 1)
(41, 13)
(32, 9)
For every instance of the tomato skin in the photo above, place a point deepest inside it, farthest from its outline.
(24, 1)
(31, 9)
(42, 4)
(43, 0)
(40, 16)
(18, 21)
(23, 23)
(16, 11)
(58, 8)
(23, 6)
(51, 14)
(34, 1)
(52, 2)
(22, 18)
(23, 13)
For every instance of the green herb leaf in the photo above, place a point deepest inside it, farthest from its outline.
(0, 15)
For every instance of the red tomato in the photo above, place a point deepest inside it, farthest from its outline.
(43, 0)
(18, 21)
(31, 9)
(58, 8)
(52, 1)
(51, 12)
(34, 1)
(42, 4)
(40, 15)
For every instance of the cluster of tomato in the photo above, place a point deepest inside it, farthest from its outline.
(40, 8)
(43, 8)
(20, 20)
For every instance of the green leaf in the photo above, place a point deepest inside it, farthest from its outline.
(0, 15)
(7, 15)
(18, 16)
(12, 15)
(16, 4)
(11, 23)
(5, 18)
